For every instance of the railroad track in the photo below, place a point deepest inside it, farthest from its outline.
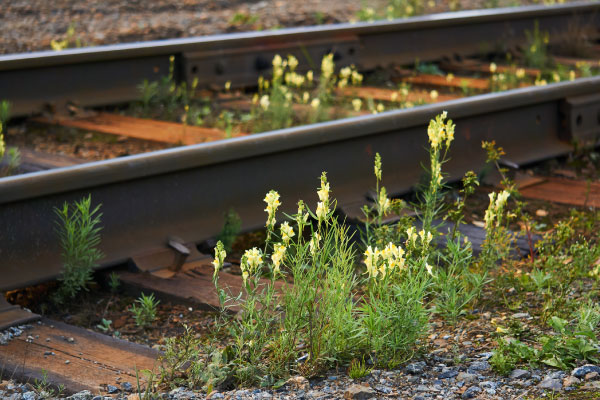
(149, 199)
(191, 187)
(110, 74)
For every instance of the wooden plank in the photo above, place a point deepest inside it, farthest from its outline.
(11, 315)
(565, 191)
(484, 68)
(139, 128)
(192, 285)
(448, 81)
(75, 357)
(574, 62)
(383, 94)
(300, 109)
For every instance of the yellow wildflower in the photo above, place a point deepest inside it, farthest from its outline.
(321, 211)
(377, 167)
(251, 261)
(292, 62)
(305, 97)
(264, 102)
(287, 232)
(356, 78)
(429, 269)
(272, 200)
(220, 255)
(327, 66)
(277, 256)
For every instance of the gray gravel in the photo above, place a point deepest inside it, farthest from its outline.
(425, 379)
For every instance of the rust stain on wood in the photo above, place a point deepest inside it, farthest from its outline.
(573, 192)
(139, 128)
(75, 357)
(448, 81)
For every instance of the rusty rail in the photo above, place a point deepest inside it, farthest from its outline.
(183, 192)
(110, 74)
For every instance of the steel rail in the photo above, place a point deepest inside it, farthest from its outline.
(110, 74)
(184, 192)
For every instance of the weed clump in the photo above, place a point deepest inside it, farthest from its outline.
(314, 299)
(144, 310)
(78, 228)
(11, 155)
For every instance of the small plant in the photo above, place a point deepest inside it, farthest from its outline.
(70, 40)
(536, 49)
(144, 310)
(187, 361)
(147, 393)
(394, 9)
(358, 369)
(114, 282)
(104, 325)
(242, 18)
(455, 286)
(231, 228)
(78, 228)
(13, 160)
(44, 389)
(170, 98)
(570, 342)
(12, 154)
(4, 112)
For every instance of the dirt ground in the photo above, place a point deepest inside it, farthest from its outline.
(31, 25)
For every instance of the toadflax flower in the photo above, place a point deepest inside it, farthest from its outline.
(321, 211)
(251, 261)
(277, 256)
(440, 131)
(292, 62)
(429, 269)
(383, 202)
(301, 216)
(323, 193)
(272, 200)
(287, 232)
(220, 255)
(264, 102)
(371, 258)
(383, 262)
(411, 236)
(494, 210)
(327, 66)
